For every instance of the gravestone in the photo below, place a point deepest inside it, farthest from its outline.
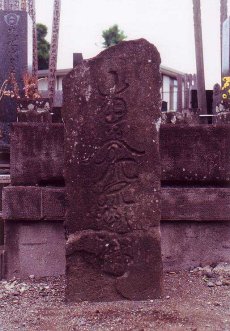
(111, 113)
(16, 59)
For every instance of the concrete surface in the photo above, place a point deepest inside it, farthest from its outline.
(190, 244)
(34, 248)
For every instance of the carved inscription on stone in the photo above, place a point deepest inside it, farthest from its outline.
(12, 20)
(11, 4)
(116, 162)
(14, 56)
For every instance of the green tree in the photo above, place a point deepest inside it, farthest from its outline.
(43, 47)
(112, 36)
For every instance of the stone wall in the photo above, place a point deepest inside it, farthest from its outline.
(34, 203)
(195, 210)
(190, 155)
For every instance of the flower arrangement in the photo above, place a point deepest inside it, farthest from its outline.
(10, 88)
(30, 104)
(30, 87)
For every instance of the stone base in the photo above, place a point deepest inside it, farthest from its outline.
(190, 244)
(34, 248)
(104, 266)
(184, 245)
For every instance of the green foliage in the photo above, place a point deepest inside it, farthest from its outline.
(43, 47)
(112, 36)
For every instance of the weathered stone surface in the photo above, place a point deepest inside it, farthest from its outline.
(15, 50)
(33, 203)
(37, 154)
(34, 248)
(53, 203)
(178, 203)
(215, 137)
(195, 154)
(21, 203)
(94, 258)
(111, 113)
(195, 204)
(191, 244)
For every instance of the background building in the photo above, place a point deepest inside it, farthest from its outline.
(175, 89)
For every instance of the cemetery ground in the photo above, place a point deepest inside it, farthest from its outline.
(193, 300)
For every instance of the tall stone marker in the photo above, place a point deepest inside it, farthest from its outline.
(111, 117)
(16, 59)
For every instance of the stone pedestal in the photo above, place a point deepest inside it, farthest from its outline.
(34, 204)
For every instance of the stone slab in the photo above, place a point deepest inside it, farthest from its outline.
(186, 245)
(21, 203)
(196, 160)
(37, 154)
(33, 203)
(178, 204)
(15, 47)
(195, 204)
(53, 203)
(111, 113)
(196, 154)
(34, 248)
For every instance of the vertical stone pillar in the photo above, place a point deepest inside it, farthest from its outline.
(179, 93)
(54, 51)
(201, 93)
(111, 116)
(32, 13)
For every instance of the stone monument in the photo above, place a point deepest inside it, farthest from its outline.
(15, 60)
(111, 116)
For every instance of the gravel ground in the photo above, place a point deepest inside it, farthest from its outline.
(195, 300)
